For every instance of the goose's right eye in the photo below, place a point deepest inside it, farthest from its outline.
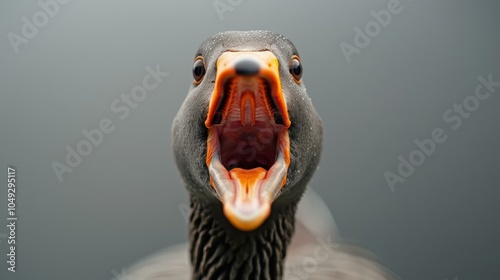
(198, 69)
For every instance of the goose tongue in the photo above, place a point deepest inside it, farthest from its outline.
(247, 181)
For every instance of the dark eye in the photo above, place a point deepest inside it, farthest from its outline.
(198, 69)
(296, 68)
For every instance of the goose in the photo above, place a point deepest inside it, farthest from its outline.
(247, 140)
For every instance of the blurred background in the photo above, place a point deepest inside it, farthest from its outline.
(66, 67)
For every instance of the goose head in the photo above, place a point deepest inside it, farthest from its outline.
(247, 137)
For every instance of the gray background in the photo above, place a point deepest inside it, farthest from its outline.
(123, 201)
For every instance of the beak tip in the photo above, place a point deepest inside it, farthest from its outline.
(247, 217)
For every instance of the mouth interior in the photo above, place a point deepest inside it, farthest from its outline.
(248, 124)
(248, 147)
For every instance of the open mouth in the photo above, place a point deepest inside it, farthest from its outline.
(247, 147)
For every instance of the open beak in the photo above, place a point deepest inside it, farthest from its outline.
(248, 149)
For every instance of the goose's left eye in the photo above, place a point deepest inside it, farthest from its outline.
(296, 68)
(198, 69)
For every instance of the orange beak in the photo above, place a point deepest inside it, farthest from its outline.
(248, 149)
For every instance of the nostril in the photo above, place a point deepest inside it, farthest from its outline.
(246, 67)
